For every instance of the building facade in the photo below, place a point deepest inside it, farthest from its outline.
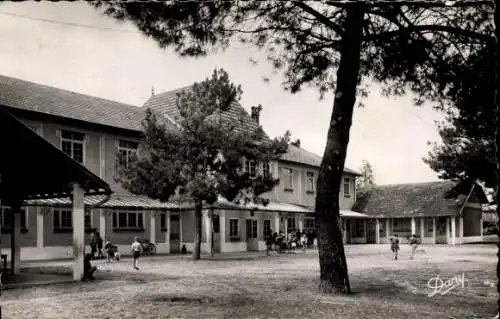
(422, 209)
(102, 135)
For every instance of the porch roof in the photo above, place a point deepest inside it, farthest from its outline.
(415, 199)
(31, 167)
(353, 214)
(116, 201)
(223, 203)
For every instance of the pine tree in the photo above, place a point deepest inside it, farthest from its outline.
(330, 45)
(203, 158)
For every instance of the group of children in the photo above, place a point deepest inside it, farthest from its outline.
(414, 241)
(111, 254)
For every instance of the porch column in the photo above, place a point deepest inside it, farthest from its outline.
(377, 231)
(277, 223)
(447, 230)
(152, 225)
(433, 230)
(413, 226)
(15, 246)
(78, 232)
(388, 228)
(167, 232)
(461, 227)
(208, 230)
(344, 230)
(453, 230)
(39, 227)
(422, 226)
(102, 223)
(222, 230)
(481, 225)
(301, 223)
(366, 229)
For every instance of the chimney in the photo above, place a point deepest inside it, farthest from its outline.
(256, 113)
(152, 91)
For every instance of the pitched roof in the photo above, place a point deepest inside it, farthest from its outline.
(299, 155)
(410, 200)
(29, 96)
(165, 104)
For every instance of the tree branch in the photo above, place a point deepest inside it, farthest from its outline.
(432, 28)
(321, 18)
(414, 4)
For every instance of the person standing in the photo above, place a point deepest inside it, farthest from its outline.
(395, 246)
(269, 242)
(136, 251)
(99, 245)
(414, 241)
(93, 244)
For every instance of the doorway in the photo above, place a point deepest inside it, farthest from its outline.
(252, 242)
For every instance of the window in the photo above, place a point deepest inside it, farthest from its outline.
(216, 223)
(128, 221)
(88, 218)
(251, 228)
(267, 227)
(234, 229)
(6, 219)
(266, 170)
(291, 224)
(251, 168)
(401, 225)
(359, 229)
(347, 190)
(288, 178)
(309, 222)
(127, 150)
(429, 225)
(163, 221)
(310, 182)
(63, 219)
(72, 144)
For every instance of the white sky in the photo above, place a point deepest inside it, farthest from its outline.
(391, 134)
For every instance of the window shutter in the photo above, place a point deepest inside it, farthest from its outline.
(23, 219)
(140, 221)
(56, 218)
(115, 222)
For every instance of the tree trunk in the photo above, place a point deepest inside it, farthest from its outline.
(497, 142)
(333, 267)
(197, 230)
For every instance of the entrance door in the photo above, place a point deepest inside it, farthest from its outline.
(370, 232)
(216, 232)
(252, 243)
(441, 230)
(175, 243)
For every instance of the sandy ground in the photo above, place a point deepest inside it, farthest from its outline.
(255, 286)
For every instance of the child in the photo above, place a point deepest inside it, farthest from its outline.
(88, 269)
(414, 241)
(136, 251)
(395, 246)
(304, 241)
(111, 251)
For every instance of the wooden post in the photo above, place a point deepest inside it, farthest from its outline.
(15, 235)
(167, 233)
(152, 225)
(422, 228)
(377, 231)
(433, 230)
(413, 226)
(78, 232)
(453, 230)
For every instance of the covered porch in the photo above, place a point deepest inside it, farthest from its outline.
(32, 168)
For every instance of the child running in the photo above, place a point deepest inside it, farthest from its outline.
(414, 242)
(395, 246)
(136, 251)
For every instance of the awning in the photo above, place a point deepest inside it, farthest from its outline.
(352, 214)
(223, 203)
(31, 167)
(116, 201)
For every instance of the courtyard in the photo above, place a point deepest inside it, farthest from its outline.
(251, 285)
